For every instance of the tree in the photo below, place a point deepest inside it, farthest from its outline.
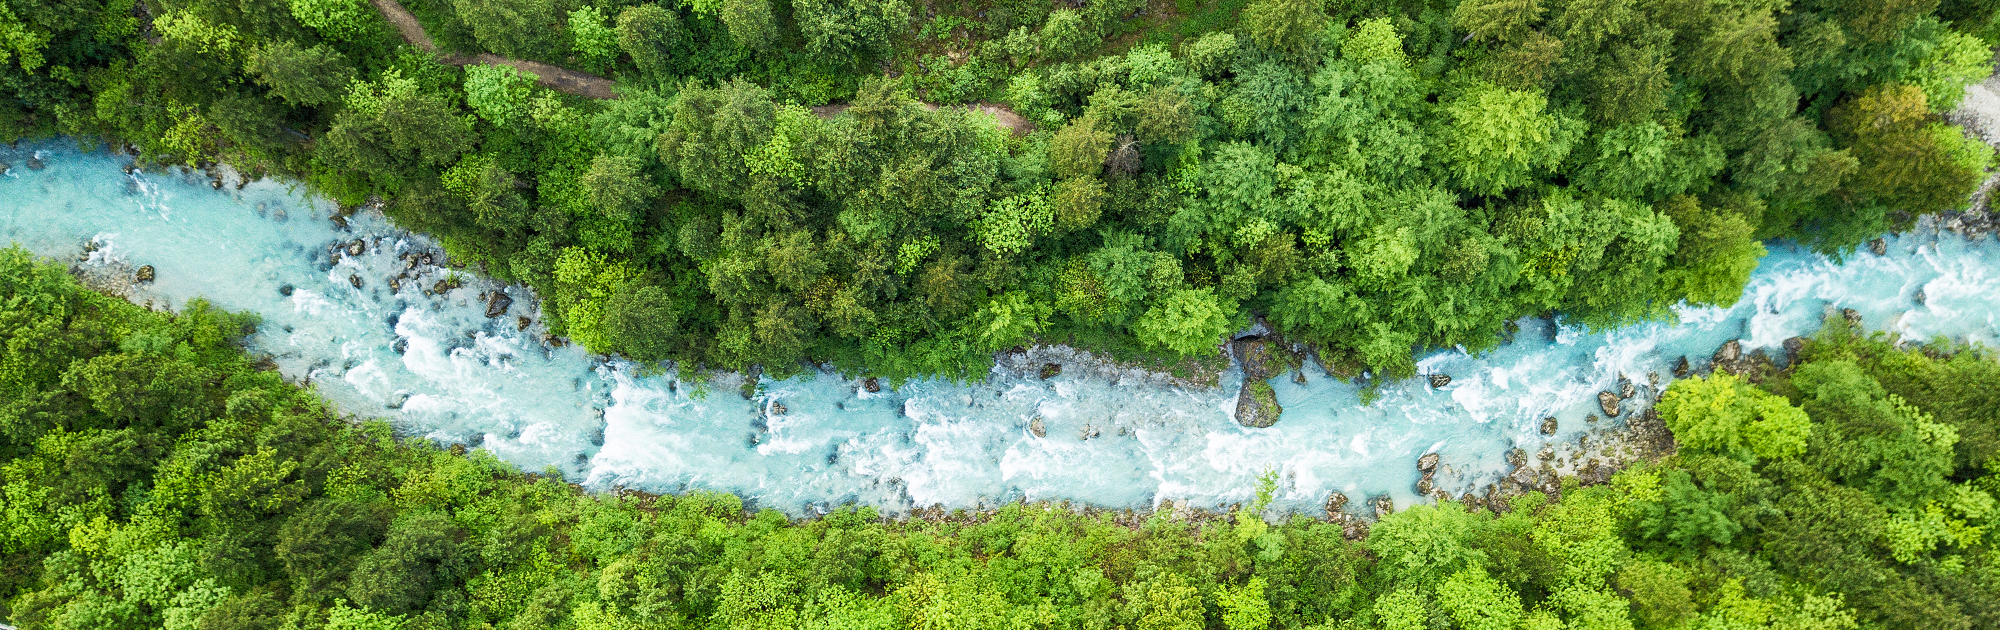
(850, 29)
(642, 322)
(751, 23)
(595, 43)
(1904, 164)
(339, 20)
(302, 76)
(1065, 35)
(618, 189)
(1720, 414)
(1478, 602)
(498, 93)
(1374, 41)
(1289, 26)
(1186, 321)
(713, 129)
(1504, 138)
(1715, 257)
(1503, 21)
(514, 28)
(647, 32)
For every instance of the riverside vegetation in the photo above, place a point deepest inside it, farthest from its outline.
(1372, 177)
(152, 475)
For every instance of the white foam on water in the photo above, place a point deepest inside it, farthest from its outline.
(436, 366)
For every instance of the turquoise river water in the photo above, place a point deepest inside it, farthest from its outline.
(436, 366)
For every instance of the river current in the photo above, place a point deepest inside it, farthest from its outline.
(434, 365)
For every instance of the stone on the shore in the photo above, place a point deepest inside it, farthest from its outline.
(1792, 347)
(1424, 485)
(1517, 457)
(1879, 247)
(1036, 427)
(1549, 425)
(1608, 403)
(1335, 503)
(871, 385)
(1428, 463)
(1681, 368)
(1440, 380)
(145, 274)
(1384, 506)
(1852, 316)
(1261, 357)
(1257, 405)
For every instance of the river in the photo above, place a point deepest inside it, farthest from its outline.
(434, 365)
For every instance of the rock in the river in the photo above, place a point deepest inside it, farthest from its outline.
(395, 284)
(145, 274)
(497, 304)
(354, 279)
(1681, 368)
(871, 385)
(1918, 297)
(1427, 464)
(1089, 431)
(1625, 388)
(1608, 403)
(1257, 405)
(1517, 457)
(1036, 427)
(1051, 370)
(1852, 316)
(778, 409)
(356, 247)
(285, 290)
(1440, 380)
(1424, 485)
(1384, 506)
(1549, 425)
(36, 164)
(1879, 246)
(522, 322)
(1334, 504)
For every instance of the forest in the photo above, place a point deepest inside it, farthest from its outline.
(788, 184)
(154, 475)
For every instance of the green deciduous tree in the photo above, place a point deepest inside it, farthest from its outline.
(1186, 321)
(1502, 138)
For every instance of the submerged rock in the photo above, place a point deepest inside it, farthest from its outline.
(36, 164)
(1440, 380)
(1918, 297)
(1608, 403)
(145, 274)
(1257, 405)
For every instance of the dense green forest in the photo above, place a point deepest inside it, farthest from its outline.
(152, 475)
(1371, 176)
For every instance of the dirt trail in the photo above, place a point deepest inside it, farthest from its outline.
(553, 77)
(1006, 117)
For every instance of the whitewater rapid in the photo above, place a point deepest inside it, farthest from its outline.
(436, 366)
